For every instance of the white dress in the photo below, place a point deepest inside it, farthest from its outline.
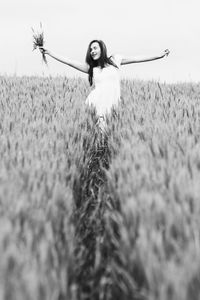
(106, 92)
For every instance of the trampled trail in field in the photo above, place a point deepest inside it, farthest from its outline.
(86, 215)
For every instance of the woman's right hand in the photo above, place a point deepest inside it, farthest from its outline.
(44, 51)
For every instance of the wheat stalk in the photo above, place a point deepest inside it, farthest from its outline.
(38, 41)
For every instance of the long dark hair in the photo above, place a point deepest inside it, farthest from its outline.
(101, 62)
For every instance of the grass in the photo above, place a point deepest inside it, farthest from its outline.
(89, 216)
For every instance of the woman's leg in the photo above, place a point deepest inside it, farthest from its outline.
(102, 123)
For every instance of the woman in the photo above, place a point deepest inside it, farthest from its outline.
(103, 71)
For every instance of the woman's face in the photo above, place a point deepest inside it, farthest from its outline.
(95, 51)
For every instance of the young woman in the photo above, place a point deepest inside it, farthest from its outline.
(103, 73)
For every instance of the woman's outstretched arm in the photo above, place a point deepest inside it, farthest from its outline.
(83, 67)
(138, 59)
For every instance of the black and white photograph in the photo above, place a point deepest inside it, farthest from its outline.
(100, 150)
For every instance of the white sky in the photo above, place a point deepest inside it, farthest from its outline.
(128, 27)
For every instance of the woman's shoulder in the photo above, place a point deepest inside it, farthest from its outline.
(117, 59)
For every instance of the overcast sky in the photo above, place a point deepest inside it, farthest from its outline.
(128, 27)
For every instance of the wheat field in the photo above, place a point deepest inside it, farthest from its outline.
(92, 215)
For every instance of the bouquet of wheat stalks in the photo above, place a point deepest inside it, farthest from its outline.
(38, 41)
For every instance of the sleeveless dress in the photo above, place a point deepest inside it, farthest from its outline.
(106, 92)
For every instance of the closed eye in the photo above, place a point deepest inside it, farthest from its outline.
(93, 48)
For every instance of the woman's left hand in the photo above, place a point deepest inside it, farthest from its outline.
(166, 52)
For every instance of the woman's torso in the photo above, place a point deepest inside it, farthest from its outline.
(106, 92)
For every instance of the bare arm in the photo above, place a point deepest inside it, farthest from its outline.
(138, 59)
(83, 67)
